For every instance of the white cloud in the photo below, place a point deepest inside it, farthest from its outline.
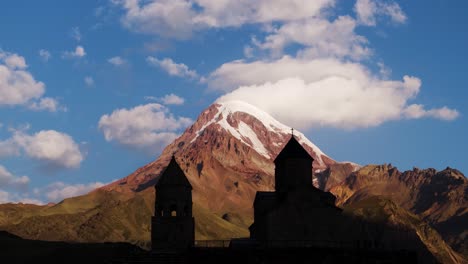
(48, 104)
(384, 71)
(179, 18)
(14, 61)
(368, 10)
(172, 68)
(319, 38)
(45, 55)
(89, 81)
(17, 86)
(168, 99)
(324, 77)
(394, 11)
(248, 51)
(416, 111)
(325, 92)
(151, 98)
(116, 61)
(365, 10)
(172, 99)
(8, 148)
(7, 179)
(58, 191)
(77, 53)
(75, 33)
(240, 73)
(53, 149)
(147, 127)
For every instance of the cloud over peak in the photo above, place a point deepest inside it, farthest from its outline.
(324, 93)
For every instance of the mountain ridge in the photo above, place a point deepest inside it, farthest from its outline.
(227, 156)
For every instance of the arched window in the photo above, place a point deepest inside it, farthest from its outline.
(173, 210)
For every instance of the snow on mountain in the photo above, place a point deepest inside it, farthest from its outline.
(249, 135)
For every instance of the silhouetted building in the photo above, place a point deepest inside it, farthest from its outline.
(296, 211)
(172, 226)
(296, 223)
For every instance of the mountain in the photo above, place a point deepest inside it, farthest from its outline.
(227, 155)
(440, 198)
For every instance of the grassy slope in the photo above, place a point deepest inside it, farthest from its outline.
(106, 216)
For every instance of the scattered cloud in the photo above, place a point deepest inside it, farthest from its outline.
(89, 81)
(416, 111)
(168, 99)
(75, 33)
(384, 71)
(47, 104)
(326, 69)
(17, 197)
(180, 18)
(45, 55)
(319, 38)
(248, 51)
(172, 68)
(151, 98)
(116, 61)
(147, 127)
(57, 191)
(14, 61)
(339, 94)
(52, 149)
(18, 86)
(368, 10)
(53, 192)
(8, 180)
(77, 53)
(172, 99)
(8, 148)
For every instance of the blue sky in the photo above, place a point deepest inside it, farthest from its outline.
(92, 90)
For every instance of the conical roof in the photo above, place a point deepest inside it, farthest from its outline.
(173, 175)
(293, 149)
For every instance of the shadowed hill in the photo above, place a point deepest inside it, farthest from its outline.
(22, 251)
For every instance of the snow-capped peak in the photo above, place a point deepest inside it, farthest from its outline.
(247, 134)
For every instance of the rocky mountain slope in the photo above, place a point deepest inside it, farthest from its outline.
(227, 156)
(438, 197)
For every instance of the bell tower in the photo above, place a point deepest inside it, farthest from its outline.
(293, 167)
(173, 226)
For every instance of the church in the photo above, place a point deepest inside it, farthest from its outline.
(296, 222)
(296, 210)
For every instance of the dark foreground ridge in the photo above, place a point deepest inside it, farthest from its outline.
(14, 249)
